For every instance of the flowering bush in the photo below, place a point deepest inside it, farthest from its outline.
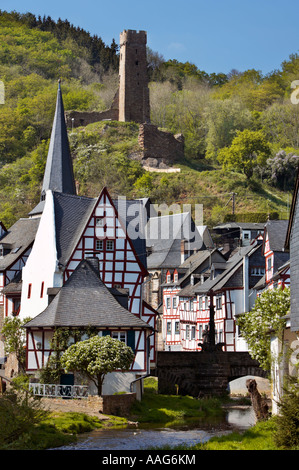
(267, 314)
(97, 356)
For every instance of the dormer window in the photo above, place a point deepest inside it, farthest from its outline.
(168, 278)
(5, 248)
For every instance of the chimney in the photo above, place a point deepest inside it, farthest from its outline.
(184, 251)
(94, 262)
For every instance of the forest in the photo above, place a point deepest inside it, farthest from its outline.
(241, 129)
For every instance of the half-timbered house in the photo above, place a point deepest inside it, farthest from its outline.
(85, 302)
(69, 228)
(285, 346)
(15, 247)
(196, 268)
(229, 286)
(276, 257)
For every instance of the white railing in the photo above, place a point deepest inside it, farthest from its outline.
(59, 391)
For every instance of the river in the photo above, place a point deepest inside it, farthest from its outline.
(149, 437)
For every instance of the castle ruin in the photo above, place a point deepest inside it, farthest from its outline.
(132, 104)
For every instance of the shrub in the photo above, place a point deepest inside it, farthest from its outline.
(19, 413)
(287, 434)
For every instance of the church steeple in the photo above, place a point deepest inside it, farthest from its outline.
(59, 174)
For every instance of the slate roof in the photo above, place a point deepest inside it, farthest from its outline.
(128, 212)
(14, 286)
(277, 231)
(241, 225)
(232, 266)
(18, 237)
(71, 216)
(84, 300)
(58, 174)
(164, 235)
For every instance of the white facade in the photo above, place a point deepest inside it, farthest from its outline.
(41, 270)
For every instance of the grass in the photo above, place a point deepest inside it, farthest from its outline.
(259, 437)
(172, 409)
(59, 429)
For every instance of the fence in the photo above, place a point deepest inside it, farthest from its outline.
(59, 391)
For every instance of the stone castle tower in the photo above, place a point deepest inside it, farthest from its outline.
(131, 102)
(134, 104)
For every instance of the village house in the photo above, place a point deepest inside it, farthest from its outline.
(234, 234)
(276, 257)
(68, 230)
(196, 268)
(170, 240)
(285, 348)
(227, 283)
(15, 247)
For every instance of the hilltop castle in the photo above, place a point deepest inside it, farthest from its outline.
(132, 103)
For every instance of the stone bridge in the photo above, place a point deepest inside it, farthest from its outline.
(203, 373)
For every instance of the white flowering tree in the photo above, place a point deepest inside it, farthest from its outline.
(96, 357)
(267, 314)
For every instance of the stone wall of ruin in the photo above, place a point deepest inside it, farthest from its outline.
(159, 149)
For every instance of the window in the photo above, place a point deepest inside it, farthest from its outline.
(29, 291)
(16, 304)
(220, 336)
(42, 289)
(193, 332)
(169, 327)
(174, 302)
(257, 271)
(218, 303)
(199, 331)
(99, 245)
(109, 245)
(269, 264)
(177, 327)
(175, 277)
(200, 303)
(187, 331)
(120, 335)
(168, 278)
(168, 303)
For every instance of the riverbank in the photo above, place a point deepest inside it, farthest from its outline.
(170, 413)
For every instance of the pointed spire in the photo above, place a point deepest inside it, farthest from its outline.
(59, 168)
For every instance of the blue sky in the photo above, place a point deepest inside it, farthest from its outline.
(217, 36)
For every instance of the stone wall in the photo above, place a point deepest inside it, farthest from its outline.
(202, 373)
(158, 148)
(83, 118)
(117, 405)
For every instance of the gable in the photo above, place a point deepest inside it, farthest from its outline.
(105, 237)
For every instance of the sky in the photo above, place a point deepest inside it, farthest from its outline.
(217, 36)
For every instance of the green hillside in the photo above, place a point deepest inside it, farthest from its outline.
(209, 110)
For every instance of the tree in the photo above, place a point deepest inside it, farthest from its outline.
(223, 119)
(283, 169)
(267, 313)
(249, 150)
(15, 338)
(96, 357)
